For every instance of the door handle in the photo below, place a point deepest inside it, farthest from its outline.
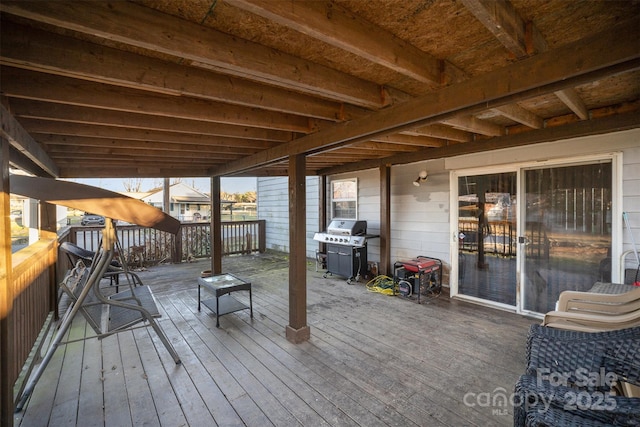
(523, 240)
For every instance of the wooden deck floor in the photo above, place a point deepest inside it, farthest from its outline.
(372, 360)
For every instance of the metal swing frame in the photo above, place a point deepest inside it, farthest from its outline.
(107, 315)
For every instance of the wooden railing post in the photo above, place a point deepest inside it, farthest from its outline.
(6, 293)
(48, 223)
(262, 232)
(177, 247)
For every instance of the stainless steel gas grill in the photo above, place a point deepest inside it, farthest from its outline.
(346, 245)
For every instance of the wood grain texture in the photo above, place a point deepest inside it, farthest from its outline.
(372, 360)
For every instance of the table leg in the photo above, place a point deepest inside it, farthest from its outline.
(250, 303)
(217, 312)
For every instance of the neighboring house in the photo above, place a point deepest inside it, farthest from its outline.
(186, 203)
(549, 216)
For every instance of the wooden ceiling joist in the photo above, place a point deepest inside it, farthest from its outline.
(566, 67)
(74, 129)
(474, 125)
(64, 90)
(332, 24)
(346, 83)
(506, 24)
(73, 142)
(574, 130)
(574, 102)
(521, 39)
(27, 109)
(442, 132)
(419, 141)
(520, 115)
(69, 57)
(22, 142)
(139, 26)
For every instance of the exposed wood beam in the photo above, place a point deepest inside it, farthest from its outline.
(23, 108)
(574, 130)
(346, 154)
(383, 146)
(64, 90)
(421, 141)
(572, 100)
(29, 48)
(57, 143)
(570, 65)
(520, 38)
(18, 137)
(332, 24)
(442, 132)
(140, 157)
(19, 161)
(148, 158)
(143, 27)
(475, 125)
(35, 126)
(105, 169)
(520, 115)
(505, 23)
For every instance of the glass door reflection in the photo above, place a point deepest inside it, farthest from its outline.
(487, 240)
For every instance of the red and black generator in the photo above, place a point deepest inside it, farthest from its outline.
(418, 276)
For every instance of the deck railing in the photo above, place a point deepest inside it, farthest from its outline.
(37, 270)
(499, 237)
(34, 290)
(142, 246)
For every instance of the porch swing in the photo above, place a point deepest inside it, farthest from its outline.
(106, 315)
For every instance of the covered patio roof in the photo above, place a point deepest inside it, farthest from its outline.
(119, 89)
(236, 87)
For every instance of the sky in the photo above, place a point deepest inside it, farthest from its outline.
(228, 185)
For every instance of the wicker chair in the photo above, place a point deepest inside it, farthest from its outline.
(570, 405)
(624, 360)
(558, 387)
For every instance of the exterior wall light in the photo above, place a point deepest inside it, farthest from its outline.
(422, 177)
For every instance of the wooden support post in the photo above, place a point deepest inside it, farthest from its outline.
(322, 202)
(166, 197)
(297, 331)
(176, 253)
(6, 293)
(48, 230)
(216, 227)
(385, 220)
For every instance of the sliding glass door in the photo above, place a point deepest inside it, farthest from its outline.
(566, 231)
(487, 243)
(523, 236)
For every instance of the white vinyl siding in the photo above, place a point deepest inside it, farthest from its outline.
(273, 207)
(420, 215)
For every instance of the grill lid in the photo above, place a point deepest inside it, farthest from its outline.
(343, 227)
